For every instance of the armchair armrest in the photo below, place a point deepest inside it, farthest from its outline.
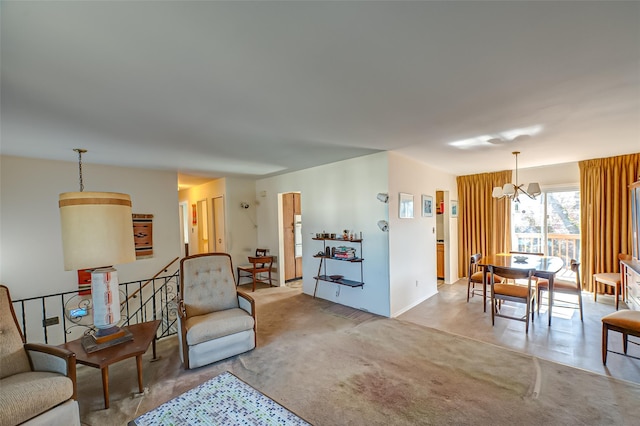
(247, 303)
(182, 311)
(53, 359)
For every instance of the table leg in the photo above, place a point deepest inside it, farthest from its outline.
(139, 365)
(105, 386)
(484, 288)
(550, 279)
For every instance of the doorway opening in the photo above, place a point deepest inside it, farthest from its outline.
(292, 236)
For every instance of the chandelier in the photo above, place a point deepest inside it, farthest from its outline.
(512, 191)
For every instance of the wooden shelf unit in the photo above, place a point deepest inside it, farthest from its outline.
(322, 267)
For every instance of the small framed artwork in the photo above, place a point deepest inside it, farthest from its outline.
(405, 206)
(427, 205)
(454, 208)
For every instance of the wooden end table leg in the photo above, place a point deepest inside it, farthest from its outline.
(105, 385)
(139, 365)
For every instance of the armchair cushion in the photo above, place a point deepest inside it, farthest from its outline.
(26, 394)
(199, 296)
(211, 326)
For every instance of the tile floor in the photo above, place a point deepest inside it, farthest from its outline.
(568, 340)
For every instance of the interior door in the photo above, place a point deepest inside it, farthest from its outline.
(219, 225)
(288, 237)
(297, 224)
(203, 229)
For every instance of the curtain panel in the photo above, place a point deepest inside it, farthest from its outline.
(605, 213)
(484, 222)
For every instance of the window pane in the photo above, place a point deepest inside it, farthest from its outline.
(563, 227)
(527, 222)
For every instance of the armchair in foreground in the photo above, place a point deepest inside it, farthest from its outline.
(37, 381)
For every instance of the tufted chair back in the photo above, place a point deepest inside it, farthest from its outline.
(207, 283)
(13, 357)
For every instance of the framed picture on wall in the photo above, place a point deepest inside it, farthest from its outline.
(454, 208)
(427, 205)
(405, 206)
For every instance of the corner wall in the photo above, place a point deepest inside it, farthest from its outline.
(412, 242)
(336, 196)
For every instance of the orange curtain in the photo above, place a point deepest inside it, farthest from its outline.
(484, 222)
(605, 213)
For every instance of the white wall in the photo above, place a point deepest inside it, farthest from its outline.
(550, 176)
(31, 262)
(412, 242)
(334, 197)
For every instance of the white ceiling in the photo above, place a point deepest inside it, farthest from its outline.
(262, 88)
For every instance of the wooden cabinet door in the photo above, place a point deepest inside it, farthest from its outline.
(440, 261)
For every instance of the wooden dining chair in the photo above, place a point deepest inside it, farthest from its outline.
(611, 279)
(258, 264)
(562, 286)
(503, 292)
(475, 277)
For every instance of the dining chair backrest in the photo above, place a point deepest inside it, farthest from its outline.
(575, 268)
(510, 273)
(473, 263)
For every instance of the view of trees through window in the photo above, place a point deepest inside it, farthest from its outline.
(550, 224)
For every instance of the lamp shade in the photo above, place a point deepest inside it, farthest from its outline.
(97, 229)
(497, 192)
(534, 189)
(509, 189)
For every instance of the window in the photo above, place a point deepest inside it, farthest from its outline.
(550, 225)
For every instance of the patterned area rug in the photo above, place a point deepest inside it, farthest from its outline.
(223, 400)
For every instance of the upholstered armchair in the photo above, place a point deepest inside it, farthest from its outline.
(37, 381)
(215, 320)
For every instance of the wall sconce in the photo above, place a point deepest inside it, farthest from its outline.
(383, 225)
(244, 205)
(383, 196)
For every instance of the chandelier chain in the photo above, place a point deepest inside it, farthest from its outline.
(80, 151)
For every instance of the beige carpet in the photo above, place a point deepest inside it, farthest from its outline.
(333, 365)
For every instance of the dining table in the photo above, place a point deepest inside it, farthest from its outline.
(545, 267)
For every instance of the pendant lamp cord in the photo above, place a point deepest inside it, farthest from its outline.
(80, 151)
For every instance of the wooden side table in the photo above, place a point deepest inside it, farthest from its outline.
(143, 335)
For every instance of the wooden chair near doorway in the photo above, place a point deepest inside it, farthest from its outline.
(258, 264)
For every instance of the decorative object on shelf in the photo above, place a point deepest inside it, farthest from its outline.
(345, 234)
(97, 231)
(383, 225)
(427, 205)
(348, 254)
(454, 208)
(383, 197)
(512, 191)
(405, 206)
